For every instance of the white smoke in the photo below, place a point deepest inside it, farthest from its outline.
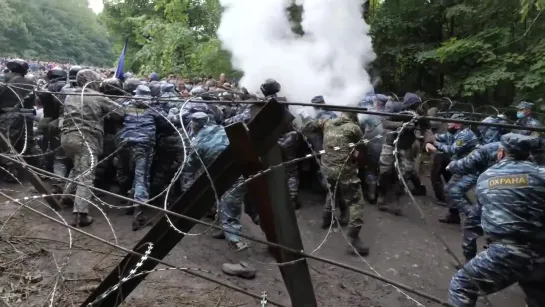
(329, 60)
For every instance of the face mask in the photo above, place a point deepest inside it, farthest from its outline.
(520, 114)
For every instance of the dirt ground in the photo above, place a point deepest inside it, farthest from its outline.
(33, 250)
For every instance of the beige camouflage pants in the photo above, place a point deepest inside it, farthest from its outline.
(85, 159)
(347, 189)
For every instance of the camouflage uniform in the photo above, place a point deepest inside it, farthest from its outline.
(527, 121)
(489, 134)
(208, 143)
(62, 164)
(339, 167)
(372, 127)
(82, 128)
(463, 142)
(169, 152)
(473, 164)
(316, 141)
(138, 140)
(513, 217)
(240, 113)
(387, 176)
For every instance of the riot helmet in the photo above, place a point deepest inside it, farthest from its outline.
(130, 85)
(155, 88)
(56, 73)
(18, 66)
(88, 78)
(270, 87)
(31, 78)
(72, 73)
(111, 86)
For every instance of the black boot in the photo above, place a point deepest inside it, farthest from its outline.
(372, 193)
(138, 220)
(82, 220)
(418, 188)
(326, 219)
(356, 245)
(381, 202)
(453, 217)
(218, 234)
(296, 203)
(345, 216)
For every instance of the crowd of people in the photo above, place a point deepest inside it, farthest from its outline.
(133, 135)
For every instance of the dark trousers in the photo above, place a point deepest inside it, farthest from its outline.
(438, 170)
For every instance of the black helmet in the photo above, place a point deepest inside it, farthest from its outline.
(72, 73)
(18, 66)
(155, 87)
(270, 87)
(56, 73)
(111, 86)
(130, 85)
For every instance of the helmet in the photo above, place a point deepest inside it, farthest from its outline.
(88, 78)
(111, 86)
(198, 90)
(155, 88)
(73, 72)
(56, 73)
(459, 116)
(142, 91)
(226, 96)
(130, 85)
(31, 77)
(18, 66)
(270, 87)
(167, 88)
(128, 75)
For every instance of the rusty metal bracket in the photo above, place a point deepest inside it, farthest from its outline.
(277, 215)
(32, 177)
(265, 128)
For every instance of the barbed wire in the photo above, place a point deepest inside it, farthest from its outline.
(179, 172)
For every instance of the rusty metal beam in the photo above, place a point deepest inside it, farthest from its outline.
(32, 177)
(265, 129)
(278, 221)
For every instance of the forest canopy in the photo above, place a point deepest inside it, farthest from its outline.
(54, 30)
(481, 51)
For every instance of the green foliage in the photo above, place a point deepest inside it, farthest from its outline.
(169, 36)
(471, 49)
(57, 30)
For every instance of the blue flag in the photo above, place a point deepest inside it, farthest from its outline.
(119, 71)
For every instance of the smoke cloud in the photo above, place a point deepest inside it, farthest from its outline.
(329, 60)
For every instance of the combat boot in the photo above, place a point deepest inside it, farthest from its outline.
(356, 245)
(296, 203)
(326, 219)
(82, 220)
(418, 188)
(138, 220)
(345, 216)
(381, 202)
(372, 193)
(451, 218)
